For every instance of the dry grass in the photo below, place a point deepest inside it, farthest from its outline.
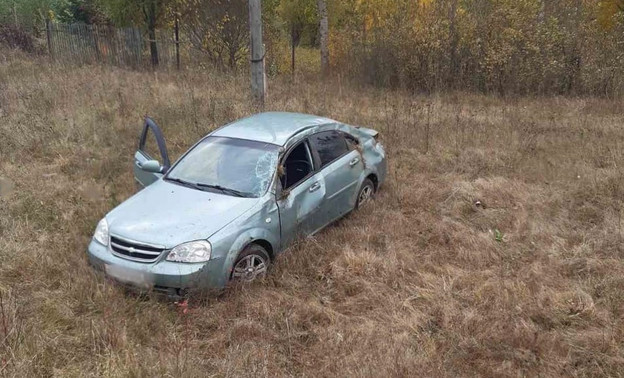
(423, 282)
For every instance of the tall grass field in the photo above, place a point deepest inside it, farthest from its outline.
(495, 247)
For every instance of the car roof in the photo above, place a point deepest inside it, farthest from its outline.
(271, 127)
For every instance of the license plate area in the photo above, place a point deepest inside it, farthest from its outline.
(129, 276)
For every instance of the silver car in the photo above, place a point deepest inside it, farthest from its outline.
(235, 200)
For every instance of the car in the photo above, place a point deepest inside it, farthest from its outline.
(235, 200)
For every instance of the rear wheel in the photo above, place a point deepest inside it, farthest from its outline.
(366, 193)
(251, 263)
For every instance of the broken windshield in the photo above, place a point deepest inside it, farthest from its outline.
(227, 165)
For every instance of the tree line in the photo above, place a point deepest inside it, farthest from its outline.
(500, 46)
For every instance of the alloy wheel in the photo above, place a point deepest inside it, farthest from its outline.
(365, 194)
(250, 267)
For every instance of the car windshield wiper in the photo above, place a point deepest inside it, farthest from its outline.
(223, 189)
(180, 181)
(203, 187)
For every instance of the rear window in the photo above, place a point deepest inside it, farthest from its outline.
(330, 145)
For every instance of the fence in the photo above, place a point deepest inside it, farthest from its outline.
(85, 44)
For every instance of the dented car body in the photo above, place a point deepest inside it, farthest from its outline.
(235, 200)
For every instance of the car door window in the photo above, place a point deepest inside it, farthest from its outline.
(152, 143)
(150, 148)
(352, 142)
(329, 145)
(297, 166)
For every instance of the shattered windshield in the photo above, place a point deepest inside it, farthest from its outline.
(237, 167)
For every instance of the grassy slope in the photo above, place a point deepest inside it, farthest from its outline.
(415, 284)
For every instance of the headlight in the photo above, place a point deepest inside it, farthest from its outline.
(191, 252)
(101, 232)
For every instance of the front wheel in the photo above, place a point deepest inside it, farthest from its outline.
(366, 193)
(251, 263)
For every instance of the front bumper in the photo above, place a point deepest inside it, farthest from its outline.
(160, 275)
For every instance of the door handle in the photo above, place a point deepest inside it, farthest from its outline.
(354, 161)
(316, 186)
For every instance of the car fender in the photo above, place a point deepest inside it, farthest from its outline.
(244, 240)
(365, 173)
(374, 162)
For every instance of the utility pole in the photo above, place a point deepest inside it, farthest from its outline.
(324, 33)
(258, 78)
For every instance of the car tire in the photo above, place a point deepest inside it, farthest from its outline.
(252, 263)
(366, 193)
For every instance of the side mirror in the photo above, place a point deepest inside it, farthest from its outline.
(152, 166)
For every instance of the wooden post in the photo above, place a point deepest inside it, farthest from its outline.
(96, 42)
(177, 41)
(139, 46)
(49, 37)
(258, 78)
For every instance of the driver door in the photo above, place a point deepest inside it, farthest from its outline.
(151, 147)
(301, 195)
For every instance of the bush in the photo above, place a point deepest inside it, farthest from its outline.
(498, 46)
(16, 38)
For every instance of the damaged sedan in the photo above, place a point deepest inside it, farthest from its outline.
(235, 200)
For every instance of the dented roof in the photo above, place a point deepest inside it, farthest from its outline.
(271, 127)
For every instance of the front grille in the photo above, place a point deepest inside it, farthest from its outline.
(136, 251)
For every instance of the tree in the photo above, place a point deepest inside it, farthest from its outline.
(27, 14)
(150, 13)
(218, 28)
(32, 14)
(298, 16)
(83, 11)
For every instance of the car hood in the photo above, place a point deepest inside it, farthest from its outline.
(169, 214)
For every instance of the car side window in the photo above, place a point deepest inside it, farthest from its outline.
(352, 142)
(297, 166)
(152, 143)
(150, 148)
(330, 145)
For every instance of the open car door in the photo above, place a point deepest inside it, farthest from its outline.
(151, 161)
